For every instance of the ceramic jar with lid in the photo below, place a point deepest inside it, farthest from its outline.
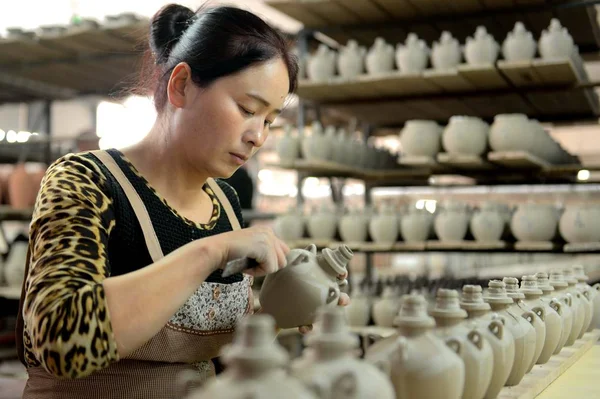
(383, 226)
(556, 43)
(288, 147)
(534, 222)
(519, 44)
(329, 366)
(321, 64)
(476, 352)
(413, 55)
(322, 223)
(416, 224)
(380, 58)
(580, 223)
(255, 366)
(520, 324)
(585, 306)
(315, 279)
(552, 318)
(564, 310)
(539, 323)
(452, 221)
(350, 60)
(594, 298)
(491, 327)
(420, 364)
(421, 138)
(488, 223)
(354, 226)
(465, 135)
(446, 53)
(481, 49)
(561, 289)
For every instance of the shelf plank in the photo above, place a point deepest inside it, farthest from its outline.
(559, 72)
(536, 246)
(520, 73)
(462, 161)
(517, 159)
(398, 83)
(582, 247)
(331, 11)
(484, 245)
(298, 11)
(465, 245)
(366, 9)
(429, 7)
(417, 161)
(483, 77)
(397, 8)
(448, 80)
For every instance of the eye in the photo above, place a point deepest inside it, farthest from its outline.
(268, 123)
(245, 111)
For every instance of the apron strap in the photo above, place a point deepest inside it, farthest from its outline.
(233, 220)
(136, 202)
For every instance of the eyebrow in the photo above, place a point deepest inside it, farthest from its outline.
(262, 100)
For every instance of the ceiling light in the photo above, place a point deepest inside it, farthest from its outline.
(583, 175)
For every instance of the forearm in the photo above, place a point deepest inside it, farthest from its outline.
(141, 303)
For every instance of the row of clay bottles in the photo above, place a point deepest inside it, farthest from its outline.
(258, 367)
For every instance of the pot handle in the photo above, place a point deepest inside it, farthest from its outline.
(569, 300)
(496, 327)
(476, 339)
(455, 345)
(540, 311)
(557, 306)
(586, 294)
(529, 316)
(596, 286)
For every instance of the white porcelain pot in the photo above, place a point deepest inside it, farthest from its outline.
(380, 58)
(413, 55)
(353, 226)
(322, 224)
(511, 132)
(534, 222)
(481, 49)
(383, 227)
(446, 53)
(316, 146)
(358, 312)
(465, 135)
(288, 147)
(416, 225)
(487, 224)
(519, 44)
(580, 223)
(556, 42)
(420, 137)
(351, 59)
(385, 309)
(452, 222)
(290, 226)
(321, 64)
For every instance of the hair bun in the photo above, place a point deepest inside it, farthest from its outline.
(167, 26)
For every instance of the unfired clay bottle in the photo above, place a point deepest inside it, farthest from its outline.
(329, 366)
(584, 299)
(491, 327)
(561, 287)
(556, 291)
(255, 366)
(310, 280)
(385, 309)
(476, 352)
(594, 298)
(420, 364)
(520, 325)
(552, 319)
(512, 290)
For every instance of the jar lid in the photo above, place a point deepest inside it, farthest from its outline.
(448, 305)
(497, 293)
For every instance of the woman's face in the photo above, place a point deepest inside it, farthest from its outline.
(220, 127)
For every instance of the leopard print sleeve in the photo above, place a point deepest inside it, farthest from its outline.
(67, 325)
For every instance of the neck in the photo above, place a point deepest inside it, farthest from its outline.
(473, 314)
(447, 321)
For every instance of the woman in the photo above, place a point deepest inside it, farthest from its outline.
(124, 287)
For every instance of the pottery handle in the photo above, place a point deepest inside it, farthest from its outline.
(586, 294)
(184, 380)
(569, 300)
(529, 316)
(455, 345)
(500, 318)
(596, 286)
(540, 311)
(557, 306)
(476, 339)
(496, 327)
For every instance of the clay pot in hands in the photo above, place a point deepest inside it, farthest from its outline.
(585, 306)
(383, 226)
(557, 290)
(492, 328)
(20, 187)
(386, 308)
(255, 366)
(552, 318)
(420, 364)
(452, 222)
(476, 352)
(310, 280)
(520, 324)
(512, 291)
(329, 365)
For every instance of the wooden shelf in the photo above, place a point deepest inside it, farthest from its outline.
(582, 247)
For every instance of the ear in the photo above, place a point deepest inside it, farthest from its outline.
(180, 78)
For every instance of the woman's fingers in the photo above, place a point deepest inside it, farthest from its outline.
(305, 329)
(344, 299)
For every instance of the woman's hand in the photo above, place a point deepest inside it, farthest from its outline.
(257, 242)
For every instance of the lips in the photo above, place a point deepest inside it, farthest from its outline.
(241, 156)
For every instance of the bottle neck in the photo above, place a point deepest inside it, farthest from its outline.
(447, 321)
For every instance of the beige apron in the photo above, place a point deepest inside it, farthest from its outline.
(151, 371)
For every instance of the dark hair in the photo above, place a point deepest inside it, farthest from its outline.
(215, 42)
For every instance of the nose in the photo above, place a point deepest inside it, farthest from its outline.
(256, 136)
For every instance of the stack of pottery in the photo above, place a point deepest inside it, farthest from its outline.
(380, 58)
(476, 352)
(446, 53)
(321, 64)
(416, 224)
(520, 325)
(255, 366)
(481, 49)
(580, 223)
(315, 279)
(409, 354)
(465, 135)
(519, 44)
(491, 327)
(383, 226)
(489, 222)
(452, 221)
(290, 225)
(329, 366)
(322, 223)
(413, 55)
(354, 226)
(288, 147)
(535, 222)
(351, 59)
(421, 138)
(551, 295)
